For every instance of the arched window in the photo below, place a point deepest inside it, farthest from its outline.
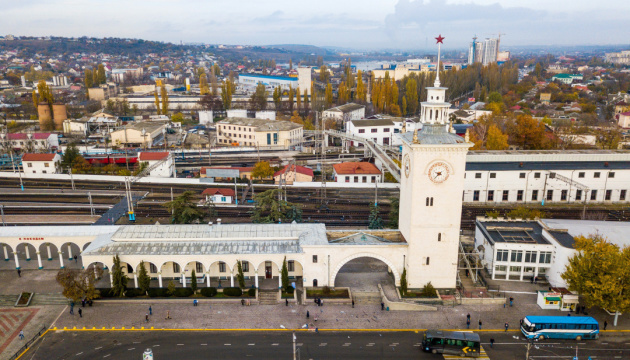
(439, 236)
(431, 202)
(428, 200)
(430, 114)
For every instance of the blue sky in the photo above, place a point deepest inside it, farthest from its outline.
(370, 24)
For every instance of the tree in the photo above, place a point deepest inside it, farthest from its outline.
(374, 220)
(290, 64)
(70, 156)
(284, 274)
(227, 90)
(291, 97)
(523, 212)
(497, 140)
(262, 170)
(403, 281)
(328, 95)
(609, 138)
(343, 94)
(258, 100)
(240, 276)
(177, 117)
(298, 98)
(157, 102)
(600, 273)
(193, 281)
(394, 213)
(305, 99)
(144, 281)
(296, 118)
(184, 209)
(164, 100)
(411, 93)
(79, 284)
(528, 133)
(277, 97)
(102, 78)
(203, 84)
(361, 91)
(323, 73)
(89, 79)
(119, 279)
(170, 288)
(268, 208)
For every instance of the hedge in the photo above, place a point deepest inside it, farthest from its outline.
(209, 291)
(131, 293)
(289, 290)
(251, 292)
(158, 292)
(183, 292)
(232, 291)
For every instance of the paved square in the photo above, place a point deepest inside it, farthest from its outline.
(11, 322)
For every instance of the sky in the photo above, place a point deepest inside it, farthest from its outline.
(356, 24)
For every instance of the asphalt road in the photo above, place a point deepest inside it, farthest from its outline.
(278, 345)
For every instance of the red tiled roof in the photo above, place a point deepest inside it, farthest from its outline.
(627, 113)
(40, 136)
(18, 136)
(349, 168)
(295, 168)
(221, 191)
(38, 157)
(148, 156)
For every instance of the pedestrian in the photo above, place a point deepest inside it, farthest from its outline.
(480, 324)
(72, 309)
(286, 302)
(195, 302)
(521, 322)
(531, 280)
(19, 272)
(21, 334)
(467, 273)
(511, 301)
(316, 330)
(504, 304)
(507, 326)
(168, 314)
(468, 317)
(80, 312)
(468, 324)
(569, 314)
(146, 317)
(491, 342)
(382, 306)
(321, 303)
(308, 314)
(150, 310)
(535, 279)
(75, 259)
(82, 302)
(242, 302)
(605, 324)
(577, 309)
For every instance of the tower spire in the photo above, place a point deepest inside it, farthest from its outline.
(439, 44)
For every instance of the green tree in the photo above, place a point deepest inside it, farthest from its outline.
(119, 279)
(305, 99)
(262, 170)
(89, 80)
(277, 97)
(258, 101)
(600, 273)
(361, 91)
(240, 276)
(522, 212)
(393, 213)
(411, 93)
(79, 284)
(144, 281)
(177, 117)
(227, 90)
(268, 208)
(374, 220)
(495, 97)
(323, 74)
(164, 100)
(193, 281)
(291, 98)
(171, 288)
(70, 156)
(102, 78)
(284, 274)
(184, 209)
(403, 281)
(298, 98)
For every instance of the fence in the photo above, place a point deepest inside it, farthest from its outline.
(28, 344)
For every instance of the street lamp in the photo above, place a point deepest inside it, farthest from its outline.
(144, 140)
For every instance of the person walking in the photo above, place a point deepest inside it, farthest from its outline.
(71, 308)
(286, 302)
(168, 314)
(21, 334)
(468, 317)
(511, 301)
(480, 324)
(150, 310)
(80, 312)
(382, 306)
(146, 317)
(19, 272)
(605, 324)
(507, 326)
(75, 259)
(353, 303)
(491, 342)
(308, 314)
(468, 324)
(195, 302)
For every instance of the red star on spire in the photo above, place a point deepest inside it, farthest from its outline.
(439, 39)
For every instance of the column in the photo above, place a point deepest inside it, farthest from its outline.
(39, 261)
(160, 279)
(279, 280)
(70, 252)
(184, 279)
(208, 278)
(135, 280)
(61, 260)
(522, 271)
(256, 279)
(17, 262)
(111, 280)
(6, 253)
(231, 278)
(28, 253)
(49, 253)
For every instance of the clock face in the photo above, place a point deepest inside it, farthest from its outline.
(406, 165)
(438, 172)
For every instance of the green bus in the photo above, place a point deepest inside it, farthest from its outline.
(460, 343)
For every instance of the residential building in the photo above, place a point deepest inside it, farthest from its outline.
(356, 172)
(304, 79)
(345, 113)
(398, 71)
(293, 173)
(41, 163)
(30, 142)
(161, 164)
(484, 52)
(259, 133)
(619, 58)
(219, 195)
(380, 131)
(103, 92)
(270, 81)
(567, 78)
(223, 173)
(143, 134)
(623, 120)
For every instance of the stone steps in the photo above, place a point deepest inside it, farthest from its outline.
(267, 297)
(367, 298)
(8, 300)
(50, 299)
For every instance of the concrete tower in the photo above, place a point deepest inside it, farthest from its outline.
(431, 191)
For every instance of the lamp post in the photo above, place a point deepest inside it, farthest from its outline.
(144, 139)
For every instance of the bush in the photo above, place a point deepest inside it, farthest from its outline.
(251, 292)
(158, 292)
(131, 293)
(183, 292)
(105, 292)
(233, 291)
(289, 290)
(326, 290)
(209, 291)
(428, 290)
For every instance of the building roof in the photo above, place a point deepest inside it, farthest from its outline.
(148, 126)
(352, 168)
(295, 168)
(271, 77)
(627, 113)
(56, 231)
(615, 231)
(240, 169)
(512, 232)
(433, 134)
(152, 156)
(24, 136)
(41, 136)
(370, 123)
(347, 108)
(38, 157)
(262, 125)
(219, 191)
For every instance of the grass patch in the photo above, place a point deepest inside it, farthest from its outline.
(334, 294)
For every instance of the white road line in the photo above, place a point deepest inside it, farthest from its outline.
(346, 344)
(180, 344)
(275, 344)
(300, 344)
(604, 343)
(136, 342)
(417, 345)
(100, 347)
(107, 355)
(251, 344)
(204, 344)
(156, 345)
(391, 345)
(131, 349)
(79, 353)
(227, 344)
(323, 344)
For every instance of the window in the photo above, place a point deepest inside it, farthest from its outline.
(30, 164)
(364, 179)
(385, 141)
(608, 195)
(490, 195)
(502, 255)
(549, 195)
(46, 165)
(222, 267)
(537, 175)
(593, 194)
(428, 260)
(373, 179)
(596, 175)
(245, 266)
(611, 174)
(515, 269)
(431, 202)
(268, 139)
(534, 195)
(477, 175)
(275, 138)
(517, 256)
(356, 179)
(314, 259)
(563, 195)
(152, 268)
(476, 195)
(578, 194)
(386, 130)
(291, 265)
(439, 236)
(506, 194)
(500, 268)
(530, 256)
(347, 178)
(521, 176)
(44, 172)
(361, 131)
(545, 257)
(198, 267)
(622, 195)
(519, 195)
(581, 174)
(176, 268)
(374, 130)
(493, 175)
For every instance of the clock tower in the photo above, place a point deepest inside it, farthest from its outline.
(432, 184)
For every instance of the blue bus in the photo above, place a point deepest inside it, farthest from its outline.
(560, 327)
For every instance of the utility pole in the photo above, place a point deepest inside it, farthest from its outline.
(375, 193)
(172, 210)
(2, 214)
(91, 204)
(71, 177)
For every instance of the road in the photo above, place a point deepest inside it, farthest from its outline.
(278, 345)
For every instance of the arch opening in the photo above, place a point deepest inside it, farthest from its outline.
(363, 273)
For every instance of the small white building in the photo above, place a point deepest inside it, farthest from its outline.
(206, 117)
(219, 195)
(345, 113)
(380, 131)
(41, 163)
(161, 164)
(623, 119)
(356, 172)
(30, 142)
